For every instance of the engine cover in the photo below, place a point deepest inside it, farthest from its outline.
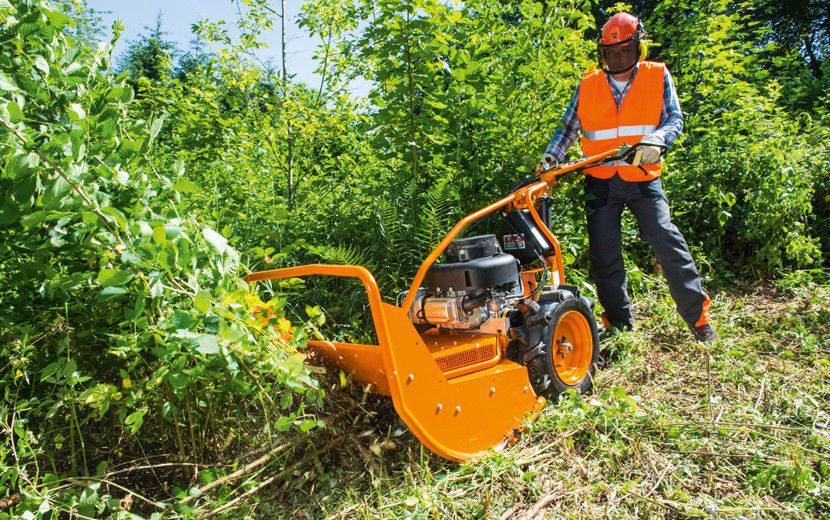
(496, 271)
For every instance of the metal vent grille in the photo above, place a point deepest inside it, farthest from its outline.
(467, 357)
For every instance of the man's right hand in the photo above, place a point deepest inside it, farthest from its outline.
(548, 162)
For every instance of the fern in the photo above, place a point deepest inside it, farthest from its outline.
(390, 224)
(433, 220)
(411, 225)
(341, 254)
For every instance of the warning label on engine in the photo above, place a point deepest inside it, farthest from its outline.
(513, 242)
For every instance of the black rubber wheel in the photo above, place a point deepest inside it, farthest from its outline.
(569, 360)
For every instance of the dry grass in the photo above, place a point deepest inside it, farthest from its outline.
(674, 429)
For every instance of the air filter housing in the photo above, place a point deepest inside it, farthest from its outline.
(470, 248)
(474, 263)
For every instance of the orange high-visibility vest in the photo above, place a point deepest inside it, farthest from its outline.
(604, 127)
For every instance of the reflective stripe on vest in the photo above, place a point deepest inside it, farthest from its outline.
(620, 131)
(604, 126)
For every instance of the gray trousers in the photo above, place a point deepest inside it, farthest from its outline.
(647, 201)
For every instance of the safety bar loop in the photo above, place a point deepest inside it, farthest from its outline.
(342, 271)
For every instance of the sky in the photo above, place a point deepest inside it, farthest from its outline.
(179, 15)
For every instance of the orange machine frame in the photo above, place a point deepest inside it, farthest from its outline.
(457, 416)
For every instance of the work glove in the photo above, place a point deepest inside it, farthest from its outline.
(548, 162)
(648, 154)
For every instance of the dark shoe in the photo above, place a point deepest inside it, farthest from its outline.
(705, 334)
(609, 328)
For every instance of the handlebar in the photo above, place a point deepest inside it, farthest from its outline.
(625, 153)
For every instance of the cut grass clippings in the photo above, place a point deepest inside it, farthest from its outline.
(674, 428)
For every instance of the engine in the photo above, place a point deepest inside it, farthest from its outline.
(472, 289)
(477, 301)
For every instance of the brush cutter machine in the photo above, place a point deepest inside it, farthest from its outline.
(479, 341)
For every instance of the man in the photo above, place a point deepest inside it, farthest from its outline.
(625, 101)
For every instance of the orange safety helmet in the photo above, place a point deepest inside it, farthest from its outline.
(621, 44)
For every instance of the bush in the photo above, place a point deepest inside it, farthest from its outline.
(125, 327)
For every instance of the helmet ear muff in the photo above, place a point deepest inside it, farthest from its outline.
(641, 39)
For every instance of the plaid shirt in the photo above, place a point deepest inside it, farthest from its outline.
(671, 118)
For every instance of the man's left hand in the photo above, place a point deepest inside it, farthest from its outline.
(648, 154)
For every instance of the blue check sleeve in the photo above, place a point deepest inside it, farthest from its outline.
(671, 118)
(568, 131)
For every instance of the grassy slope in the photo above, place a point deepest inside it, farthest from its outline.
(663, 434)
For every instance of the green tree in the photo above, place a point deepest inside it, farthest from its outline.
(741, 157)
(150, 55)
(87, 29)
(462, 99)
(799, 24)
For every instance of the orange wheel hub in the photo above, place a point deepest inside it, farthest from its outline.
(573, 348)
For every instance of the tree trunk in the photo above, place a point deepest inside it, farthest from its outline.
(413, 147)
(815, 64)
(290, 128)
